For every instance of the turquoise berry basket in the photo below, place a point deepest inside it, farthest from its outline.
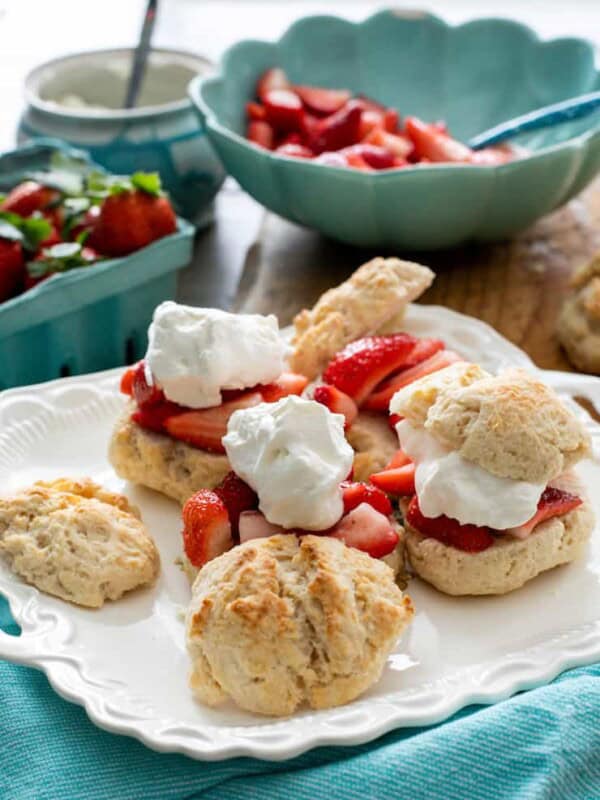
(87, 319)
(474, 76)
(164, 136)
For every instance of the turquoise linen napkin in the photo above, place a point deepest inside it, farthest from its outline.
(540, 745)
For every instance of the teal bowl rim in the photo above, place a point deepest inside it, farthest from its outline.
(33, 99)
(61, 281)
(197, 85)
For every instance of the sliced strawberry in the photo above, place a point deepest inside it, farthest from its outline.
(431, 143)
(375, 157)
(294, 151)
(255, 111)
(337, 402)
(287, 383)
(28, 197)
(391, 120)
(261, 134)
(470, 538)
(283, 110)
(399, 459)
(363, 364)
(553, 503)
(153, 418)
(398, 145)
(126, 385)
(273, 79)
(338, 130)
(237, 497)
(355, 160)
(145, 395)
(206, 527)
(399, 163)
(205, 428)
(332, 160)
(370, 120)
(393, 420)
(367, 530)
(356, 493)
(398, 481)
(322, 102)
(380, 399)
(254, 525)
(490, 157)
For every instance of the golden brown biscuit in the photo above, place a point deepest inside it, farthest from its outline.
(578, 325)
(374, 444)
(511, 425)
(280, 621)
(377, 293)
(162, 463)
(76, 546)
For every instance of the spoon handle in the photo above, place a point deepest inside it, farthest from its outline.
(541, 118)
(141, 55)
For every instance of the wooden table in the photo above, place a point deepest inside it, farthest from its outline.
(254, 261)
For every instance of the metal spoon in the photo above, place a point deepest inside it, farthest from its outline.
(541, 118)
(140, 57)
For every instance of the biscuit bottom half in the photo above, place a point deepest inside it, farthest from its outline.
(508, 563)
(162, 463)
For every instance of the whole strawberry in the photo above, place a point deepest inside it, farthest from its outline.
(28, 197)
(12, 268)
(133, 215)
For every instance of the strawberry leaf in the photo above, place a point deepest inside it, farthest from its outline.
(148, 182)
(10, 231)
(31, 231)
(59, 258)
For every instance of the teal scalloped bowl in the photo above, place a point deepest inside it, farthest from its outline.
(474, 76)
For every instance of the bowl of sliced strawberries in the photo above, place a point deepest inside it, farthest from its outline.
(359, 130)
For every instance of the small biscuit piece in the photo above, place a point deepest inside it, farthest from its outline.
(276, 622)
(511, 425)
(85, 487)
(74, 546)
(508, 563)
(374, 444)
(167, 465)
(377, 293)
(578, 325)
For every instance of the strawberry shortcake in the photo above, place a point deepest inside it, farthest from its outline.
(489, 496)
(291, 473)
(202, 364)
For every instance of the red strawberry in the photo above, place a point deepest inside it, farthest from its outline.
(367, 530)
(390, 120)
(254, 525)
(356, 493)
(375, 157)
(393, 420)
(370, 120)
(322, 102)
(399, 459)
(274, 78)
(12, 268)
(337, 130)
(470, 538)
(362, 364)
(287, 383)
(336, 401)
(145, 395)
(86, 223)
(261, 134)
(431, 143)
(294, 151)
(355, 160)
(396, 481)
(126, 384)
(255, 111)
(379, 400)
(283, 110)
(53, 238)
(28, 197)
(206, 527)
(553, 503)
(398, 145)
(237, 497)
(154, 417)
(205, 428)
(130, 220)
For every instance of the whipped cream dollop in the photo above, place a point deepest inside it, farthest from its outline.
(294, 455)
(446, 483)
(194, 353)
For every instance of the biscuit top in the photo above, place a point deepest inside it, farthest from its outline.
(511, 425)
(586, 272)
(375, 294)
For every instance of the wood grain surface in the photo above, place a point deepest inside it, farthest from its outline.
(516, 286)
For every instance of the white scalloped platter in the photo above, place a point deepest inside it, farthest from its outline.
(127, 662)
